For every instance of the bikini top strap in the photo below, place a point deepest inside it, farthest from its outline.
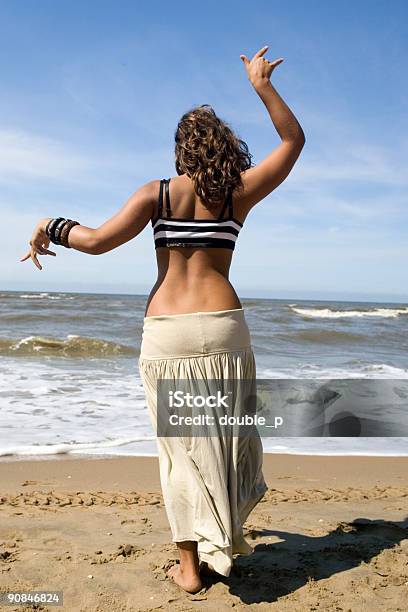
(228, 202)
(160, 205)
(164, 183)
(168, 209)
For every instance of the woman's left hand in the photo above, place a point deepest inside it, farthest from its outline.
(39, 243)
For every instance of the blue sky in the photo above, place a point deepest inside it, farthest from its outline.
(91, 95)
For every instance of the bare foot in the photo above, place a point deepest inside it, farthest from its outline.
(189, 583)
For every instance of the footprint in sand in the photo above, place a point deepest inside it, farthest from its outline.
(123, 553)
(7, 556)
(142, 525)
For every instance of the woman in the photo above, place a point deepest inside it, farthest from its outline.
(194, 326)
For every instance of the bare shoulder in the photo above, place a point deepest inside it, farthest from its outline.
(150, 188)
(148, 192)
(142, 201)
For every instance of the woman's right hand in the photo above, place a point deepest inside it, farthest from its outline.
(259, 69)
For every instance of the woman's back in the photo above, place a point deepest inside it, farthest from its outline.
(192, 278)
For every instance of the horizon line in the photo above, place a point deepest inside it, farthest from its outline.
(146, 295)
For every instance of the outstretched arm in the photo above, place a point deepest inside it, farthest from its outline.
(127, 223)
(263, 178)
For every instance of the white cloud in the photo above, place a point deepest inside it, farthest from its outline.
(29, 156)
(369, 164)
(25, 155)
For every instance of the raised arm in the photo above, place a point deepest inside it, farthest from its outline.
(263, 178)
(127, 223)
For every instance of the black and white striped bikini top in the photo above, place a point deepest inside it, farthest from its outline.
(170, 231)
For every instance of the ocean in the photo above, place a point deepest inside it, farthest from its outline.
(69, 380)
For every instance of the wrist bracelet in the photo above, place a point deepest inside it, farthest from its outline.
(47, 226)
(65, 232)
(50, 225)
(51, 228)
(57, 231)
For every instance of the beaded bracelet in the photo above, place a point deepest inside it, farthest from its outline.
(48, 226)
(58, 229)
(51, 227)
(65, 232)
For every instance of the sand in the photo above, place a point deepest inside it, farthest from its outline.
(331, 534)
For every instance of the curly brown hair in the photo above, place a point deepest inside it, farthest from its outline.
(209, 152)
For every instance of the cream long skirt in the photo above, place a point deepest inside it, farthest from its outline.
(209, 484)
